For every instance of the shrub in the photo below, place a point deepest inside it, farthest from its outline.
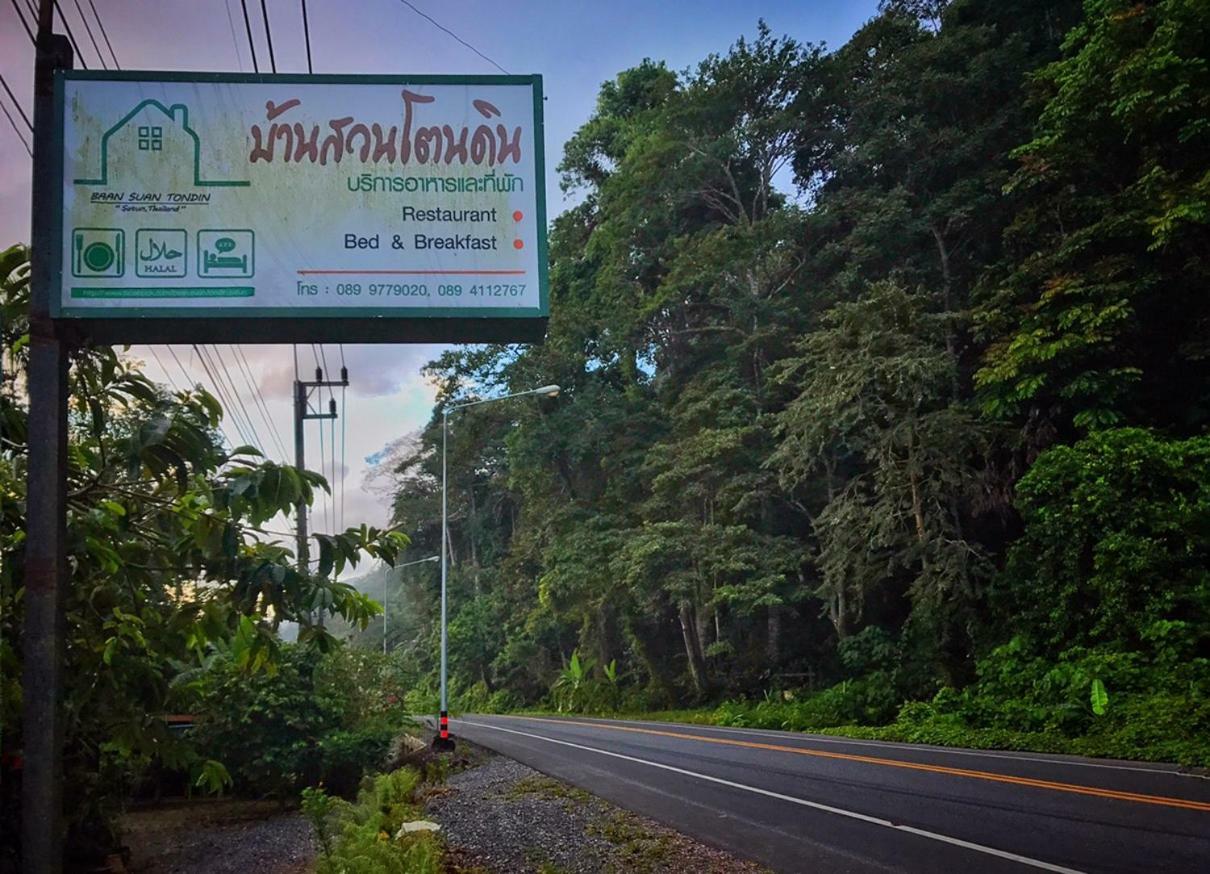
(315, 719)
(365, 836)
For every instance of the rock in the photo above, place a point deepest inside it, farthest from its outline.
(417, 825)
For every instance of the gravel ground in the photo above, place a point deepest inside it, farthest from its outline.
(219, 837)
(504, 817)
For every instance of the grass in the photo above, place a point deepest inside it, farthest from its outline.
(547, 787)
(636, 848)
(939, 731)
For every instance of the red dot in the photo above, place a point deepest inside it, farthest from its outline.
(518, 215)
(518, 244)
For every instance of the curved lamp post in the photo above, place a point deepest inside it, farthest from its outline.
(443, 741)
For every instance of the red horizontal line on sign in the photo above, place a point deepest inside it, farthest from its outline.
(412, 272)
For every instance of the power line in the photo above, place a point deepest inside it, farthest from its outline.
(222, 364)
(160, 363)
(20, 133)
(218, 356)
(16, 102)
(227, 405)
(239, 57)
(442, 27)
(307, 36)
(70, 35)
(24, 23)
(258, 398)
(16, 130)
(88, 29)
(251, 42)
(264, 11)
(104, 35)
(224, 395)
(188, 378)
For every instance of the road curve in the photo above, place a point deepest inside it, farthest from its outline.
(800, 802)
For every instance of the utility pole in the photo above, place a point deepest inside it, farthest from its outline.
(302, 413)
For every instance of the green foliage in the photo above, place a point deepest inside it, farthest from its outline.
(570, 688)
(873, 447)
(169, 565)
(1097, 318)
(316, 719)
(365, 837)
(1105, 519)
(1098, 697)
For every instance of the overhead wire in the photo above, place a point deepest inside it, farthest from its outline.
(222, 424)
(437, 24)
(16, 102)
(25, 118)
(251, 41)
(71, 37)
(20, 134)
(264, 10)
(224, 396)
(88, 30)
(104, 35)
(222, 393)
(307, 36)
(28, 30)
(220, 364)
(160, 364)
(221, 361)
(259, 399)
(239, 56)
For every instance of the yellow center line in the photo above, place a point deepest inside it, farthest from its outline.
(990, 776)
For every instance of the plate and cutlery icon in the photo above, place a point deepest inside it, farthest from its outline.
(98, 253)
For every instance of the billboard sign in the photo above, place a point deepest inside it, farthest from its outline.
(285, 205)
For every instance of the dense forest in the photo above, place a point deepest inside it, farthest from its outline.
(885, 374)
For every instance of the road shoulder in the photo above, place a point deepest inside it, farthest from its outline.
(502, 816)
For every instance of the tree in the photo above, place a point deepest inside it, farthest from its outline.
(169, 557)
(1098, 315)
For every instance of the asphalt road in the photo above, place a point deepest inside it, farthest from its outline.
(800, 802)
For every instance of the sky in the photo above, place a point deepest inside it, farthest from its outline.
(575, 45)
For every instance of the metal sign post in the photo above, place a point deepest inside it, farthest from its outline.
(46, 574)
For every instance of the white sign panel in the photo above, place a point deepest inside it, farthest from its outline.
(200, 195)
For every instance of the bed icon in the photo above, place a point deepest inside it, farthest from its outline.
(228, 254)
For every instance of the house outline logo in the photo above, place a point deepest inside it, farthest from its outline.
(150, 138)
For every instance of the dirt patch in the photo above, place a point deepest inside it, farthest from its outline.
(218, 837)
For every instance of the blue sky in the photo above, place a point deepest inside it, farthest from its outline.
(574, 44)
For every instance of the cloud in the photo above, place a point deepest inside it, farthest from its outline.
(374, 370)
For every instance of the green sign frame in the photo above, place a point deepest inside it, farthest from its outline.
(312, 324)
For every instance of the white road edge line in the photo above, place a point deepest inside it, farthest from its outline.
(929, 748)
(826, 808)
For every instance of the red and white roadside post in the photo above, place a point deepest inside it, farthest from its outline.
(443, 742)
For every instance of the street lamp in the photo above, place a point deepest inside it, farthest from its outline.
(443, 740)
(385, 611)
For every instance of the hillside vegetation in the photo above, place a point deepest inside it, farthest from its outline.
(884, 401)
